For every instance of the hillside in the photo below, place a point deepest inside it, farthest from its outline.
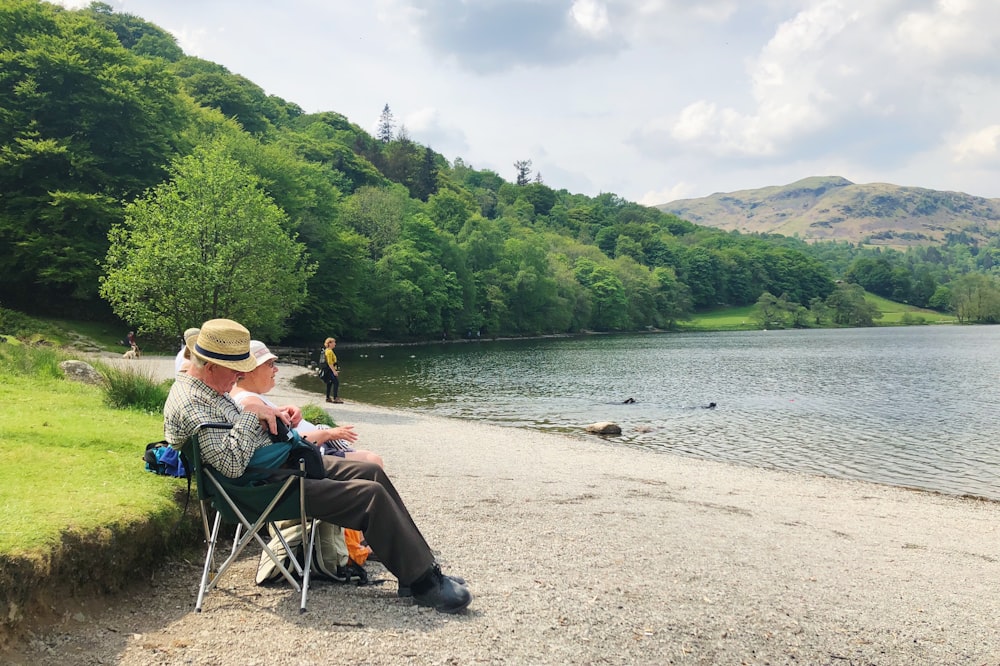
(834, 208)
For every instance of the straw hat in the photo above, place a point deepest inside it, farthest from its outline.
(260, 352)
(224, 342)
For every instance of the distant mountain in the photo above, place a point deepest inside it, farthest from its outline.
(834, 208)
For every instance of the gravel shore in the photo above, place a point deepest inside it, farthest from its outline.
(581, 552)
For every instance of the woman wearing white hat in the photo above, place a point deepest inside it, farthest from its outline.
(251, 388)
(183, 358)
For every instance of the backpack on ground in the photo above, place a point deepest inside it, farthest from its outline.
(163, 459)
(330, 560)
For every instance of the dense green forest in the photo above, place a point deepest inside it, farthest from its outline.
(140, 182)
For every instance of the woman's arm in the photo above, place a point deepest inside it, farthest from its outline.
(326, 434)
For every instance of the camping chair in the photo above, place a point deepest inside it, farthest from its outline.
(251, 508)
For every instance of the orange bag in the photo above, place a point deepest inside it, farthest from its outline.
(355, 550)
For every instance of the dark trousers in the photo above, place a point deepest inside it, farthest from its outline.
(360, 496)
(332, 381)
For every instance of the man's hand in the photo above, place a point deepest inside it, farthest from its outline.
(268, 416)
(294, 415)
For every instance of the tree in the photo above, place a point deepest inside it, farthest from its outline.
(523, 170)
(425, 183)
(377, 213)
(386, 125)
(416, 294)
(940, 299)
(874, 274)
(541, 197)
(208, 243)
(608, 298)
(136, 34)
(701, 274)
(83, 124)
(449, 210)
(673, 298)
(769, 311)
(976, 298)
(850, 308)
(626, 246)
(818, 309)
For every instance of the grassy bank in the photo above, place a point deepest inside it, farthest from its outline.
(741, 318)
(81, 515)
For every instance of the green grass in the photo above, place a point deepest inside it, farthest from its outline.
(894, 313)
(70, 463)
(740, 319)
(17, 359)
(106, 335)
(128, 388)
(721, 319)
(21, 326)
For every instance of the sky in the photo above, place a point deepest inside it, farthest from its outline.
(653, 100)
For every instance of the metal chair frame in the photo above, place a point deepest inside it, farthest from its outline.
(218, 493)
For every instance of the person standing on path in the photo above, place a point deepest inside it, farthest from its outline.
(331, 371)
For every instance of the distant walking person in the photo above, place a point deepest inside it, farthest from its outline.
(331, 371)
(133, 346)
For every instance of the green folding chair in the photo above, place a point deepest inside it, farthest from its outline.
(251, 507)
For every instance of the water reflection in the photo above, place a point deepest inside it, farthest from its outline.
(904, 406)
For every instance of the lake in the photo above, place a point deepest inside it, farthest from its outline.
(907, 406)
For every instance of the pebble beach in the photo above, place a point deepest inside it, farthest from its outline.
(578, 551)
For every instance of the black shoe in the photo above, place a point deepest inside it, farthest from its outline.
(440, 592)
(406, 591)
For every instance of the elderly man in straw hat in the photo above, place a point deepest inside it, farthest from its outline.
(357, 495)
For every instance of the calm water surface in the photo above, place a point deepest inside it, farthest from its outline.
(910, 406)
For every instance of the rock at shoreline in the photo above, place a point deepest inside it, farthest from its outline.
(604, 428)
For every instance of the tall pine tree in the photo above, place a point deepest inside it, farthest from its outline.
(386, 125)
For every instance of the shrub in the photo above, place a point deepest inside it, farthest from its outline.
(27, 328)
(133, 389)
(317, 415)
(30, 361)
(910, 319)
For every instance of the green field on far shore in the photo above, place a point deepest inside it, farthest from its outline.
(741, 318)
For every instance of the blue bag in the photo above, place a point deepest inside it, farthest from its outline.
(289, 446)
(163, 459)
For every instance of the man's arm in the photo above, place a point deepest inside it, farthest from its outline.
(191, 404)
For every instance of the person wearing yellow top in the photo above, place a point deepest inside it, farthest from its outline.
(331, 372)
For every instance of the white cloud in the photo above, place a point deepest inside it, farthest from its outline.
(980, 146)
(426, 126)
(670, 193)
(951, 30)
(716, 12)
(644, 98)
(193, 40)
(591, 16)
(827, 81)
